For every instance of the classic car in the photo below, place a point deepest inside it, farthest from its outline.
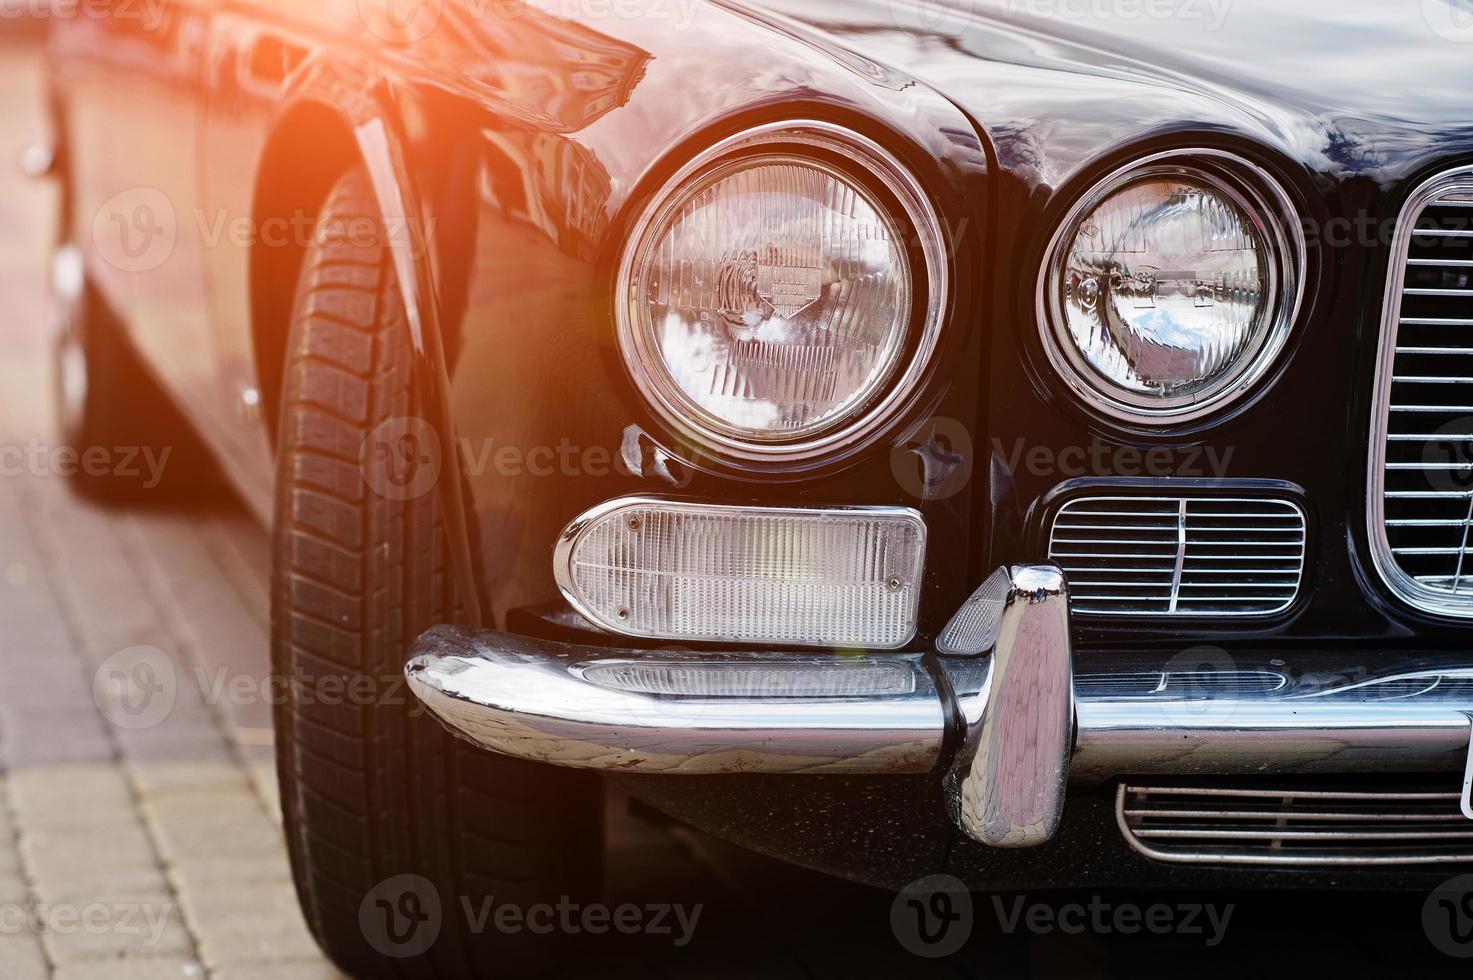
(1023, 441)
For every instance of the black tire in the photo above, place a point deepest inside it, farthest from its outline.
(107, 402)
(386, 813)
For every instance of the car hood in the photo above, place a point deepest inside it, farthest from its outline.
(1365, 86)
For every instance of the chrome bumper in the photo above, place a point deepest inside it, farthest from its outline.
(1006, 729)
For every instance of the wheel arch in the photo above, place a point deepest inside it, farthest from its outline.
(315, 142)
(310, 149)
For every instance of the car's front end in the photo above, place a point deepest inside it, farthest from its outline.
(1042, 450)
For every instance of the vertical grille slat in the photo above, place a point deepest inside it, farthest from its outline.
(1188, 556)
(1421, 475)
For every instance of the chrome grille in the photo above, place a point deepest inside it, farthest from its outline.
(1421, 479)
(1301, 825)
(1179, 556)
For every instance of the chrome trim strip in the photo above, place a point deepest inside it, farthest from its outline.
(1282, 230)
(567, 546)
(536, 700)
(1404, 586)
(1223, 722)
(1007, 788)
(870, 419)
(1466, 797)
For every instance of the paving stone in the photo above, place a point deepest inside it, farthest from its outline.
(57, 797)
(193, 737)
(311, 970)
(22, 958)
(254, 939)
(102, 930)
(155, 777)
(72, 854)
(138, 968)
(211, 906)
(208, 874)
(139, 885)
(48, 735)
(263, 778)
(211, 822)
(44, 676)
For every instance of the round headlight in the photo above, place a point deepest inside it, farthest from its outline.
(1171, 287)
(782, 295)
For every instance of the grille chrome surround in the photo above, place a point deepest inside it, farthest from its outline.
(1420, 480)
(1181, 556)
(1289, 826)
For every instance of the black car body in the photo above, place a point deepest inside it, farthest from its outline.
(522, 145)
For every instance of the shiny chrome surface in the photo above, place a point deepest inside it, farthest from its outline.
(882, 166)
(1008, 785)
(1234, 718)
(1297, 826)
(1180, 555)
(1015, 715)
(1263, 199)
(1420, 482)
(565, 551)
(543, 701)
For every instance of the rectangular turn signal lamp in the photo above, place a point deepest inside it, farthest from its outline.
(847, 577)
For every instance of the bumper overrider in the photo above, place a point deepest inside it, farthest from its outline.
(996, 709)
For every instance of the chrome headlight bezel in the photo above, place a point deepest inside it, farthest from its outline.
(863, 160)
(1275, 219)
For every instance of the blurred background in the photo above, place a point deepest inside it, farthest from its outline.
(149, 847)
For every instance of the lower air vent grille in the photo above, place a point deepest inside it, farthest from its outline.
(1295, 826)
(1180, 556)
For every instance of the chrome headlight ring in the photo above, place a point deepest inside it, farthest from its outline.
(848, 156)
(1271, 218)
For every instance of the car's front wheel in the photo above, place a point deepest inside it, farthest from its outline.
(401, 837)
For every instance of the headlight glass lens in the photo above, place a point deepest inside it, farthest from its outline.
(1168, 292)
(770, 300)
